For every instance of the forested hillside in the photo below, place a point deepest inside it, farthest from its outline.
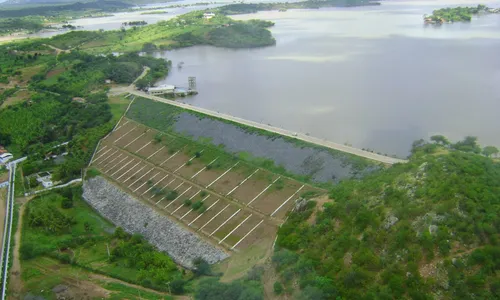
(423, 230)
(66, 102)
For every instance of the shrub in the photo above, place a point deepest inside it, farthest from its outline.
(171, 195)
(278, 288)
(177, 286)
(187, 202)
(92, 173)
(157, 138)
(202, 267)
(67, 203)
(197, 205)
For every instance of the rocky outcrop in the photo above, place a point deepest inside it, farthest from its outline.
(136, 217)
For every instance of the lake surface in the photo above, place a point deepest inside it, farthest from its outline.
(373, 77)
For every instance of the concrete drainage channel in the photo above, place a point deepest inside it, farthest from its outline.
(136, 217)
(7, 233)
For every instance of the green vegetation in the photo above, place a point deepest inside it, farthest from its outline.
(64, 9)
(35, 18)
(76, 235)
(11, 25)
(183, 31)
(197, 206)
(155, 12)
(247, 8)
(247, 288)
(414, 230)
(51, 115)
(162, 117)
(457, 14)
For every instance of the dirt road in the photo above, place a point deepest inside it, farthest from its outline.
(15, 281)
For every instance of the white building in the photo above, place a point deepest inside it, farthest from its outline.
(162, 89)
(45, 178)
(5, 157)
(208, 15)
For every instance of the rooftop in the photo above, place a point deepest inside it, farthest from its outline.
(162, 87)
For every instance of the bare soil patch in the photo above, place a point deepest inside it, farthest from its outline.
(319, 207)
(208, 214)
(120, 130)
(139, 143)
(194, 214)
(263, 231)
(189, 170)
(15, 281)
(176, 161)
(18, 97)
(220, 219)
(273, 198)
(128, 138)
(207, 176)
(254, 186)
(229, 226)
(55, 72)
(228, 182)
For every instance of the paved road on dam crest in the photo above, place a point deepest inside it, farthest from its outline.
(299, 136)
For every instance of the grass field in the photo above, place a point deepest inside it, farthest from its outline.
(57, 235)
(45, 273)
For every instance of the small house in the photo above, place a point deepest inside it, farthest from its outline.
(5, 157)
(163, 89)
(45, 178)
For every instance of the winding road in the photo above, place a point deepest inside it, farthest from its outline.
(300, 136)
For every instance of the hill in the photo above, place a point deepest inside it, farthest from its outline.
(427, 229)
(59, 8)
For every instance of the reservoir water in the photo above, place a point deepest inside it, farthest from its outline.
(373, 77)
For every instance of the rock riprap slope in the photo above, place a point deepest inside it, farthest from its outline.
(136, 217)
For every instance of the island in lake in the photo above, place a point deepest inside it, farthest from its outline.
(457, 14)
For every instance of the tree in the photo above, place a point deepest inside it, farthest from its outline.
(67, 203)
(202, 267)
(417, 144)
(142, 83)
(177, 286)
(490, 151)
(469, 144)
(440, 139)
(278, 288)
(149, 47)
